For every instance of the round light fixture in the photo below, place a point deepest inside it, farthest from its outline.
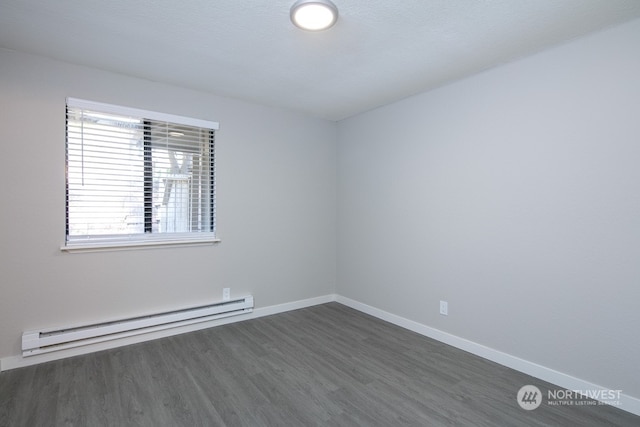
(314, 15)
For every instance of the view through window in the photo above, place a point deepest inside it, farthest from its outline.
(132, 177)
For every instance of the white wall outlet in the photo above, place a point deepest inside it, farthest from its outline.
(226, 294)
(444, 308)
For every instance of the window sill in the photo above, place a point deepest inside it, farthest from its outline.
(132, 245)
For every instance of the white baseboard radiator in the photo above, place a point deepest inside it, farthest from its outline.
(47, 340)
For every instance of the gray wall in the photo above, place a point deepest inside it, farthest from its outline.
(276, 180)
(515, 196)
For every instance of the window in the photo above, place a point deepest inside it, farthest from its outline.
(137, 178)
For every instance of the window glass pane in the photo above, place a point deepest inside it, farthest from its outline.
(105, 189)
(131, 176)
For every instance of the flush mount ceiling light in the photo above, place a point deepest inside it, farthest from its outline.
(314, 15)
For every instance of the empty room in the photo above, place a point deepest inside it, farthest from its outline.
(314, 212)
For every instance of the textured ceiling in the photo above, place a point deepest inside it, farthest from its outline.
(378, 52)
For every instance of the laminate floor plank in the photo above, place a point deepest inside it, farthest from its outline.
(326, 365)
(136, 392)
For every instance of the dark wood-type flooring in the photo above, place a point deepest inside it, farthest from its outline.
(326, 365)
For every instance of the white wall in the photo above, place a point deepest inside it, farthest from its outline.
(276, 181)
(515, 196)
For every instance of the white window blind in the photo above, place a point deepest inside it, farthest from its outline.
(136, 177)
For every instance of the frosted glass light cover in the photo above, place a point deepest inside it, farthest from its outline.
(314, 15)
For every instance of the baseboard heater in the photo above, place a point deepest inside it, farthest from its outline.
(47, 340)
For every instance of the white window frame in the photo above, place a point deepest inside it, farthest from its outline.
(132, 241)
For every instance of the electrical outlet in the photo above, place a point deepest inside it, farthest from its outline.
(226, 294)
(444, 308)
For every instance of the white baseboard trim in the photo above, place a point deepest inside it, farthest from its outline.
(627, 403)
(13, 362)
(290, 306)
